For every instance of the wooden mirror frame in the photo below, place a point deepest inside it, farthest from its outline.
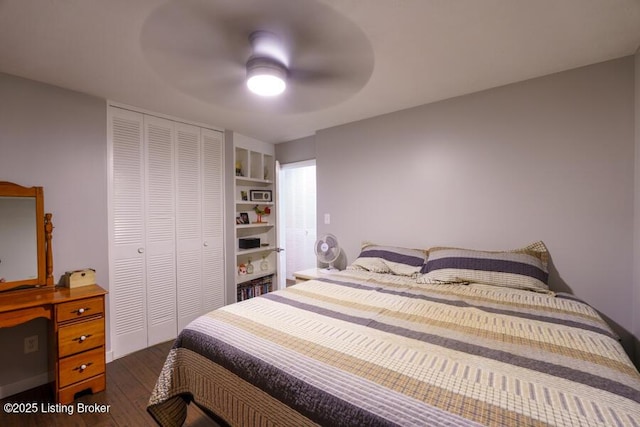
(44, 228)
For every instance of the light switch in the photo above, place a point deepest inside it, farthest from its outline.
(327, 219)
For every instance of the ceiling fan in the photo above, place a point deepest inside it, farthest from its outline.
(267, 69)
(210, 48)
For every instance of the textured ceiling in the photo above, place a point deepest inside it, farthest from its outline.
(414, 52)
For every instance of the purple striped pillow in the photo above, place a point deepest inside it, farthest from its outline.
(524, 268)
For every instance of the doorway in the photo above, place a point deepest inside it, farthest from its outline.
(297, 221)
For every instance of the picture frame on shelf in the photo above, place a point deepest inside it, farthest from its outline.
(243, 196)
(260, 195)
(244, 218)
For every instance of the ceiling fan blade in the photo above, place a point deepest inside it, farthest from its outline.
(329, 58)
(314, 76)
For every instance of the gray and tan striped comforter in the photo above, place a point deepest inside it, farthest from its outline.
(370, 349)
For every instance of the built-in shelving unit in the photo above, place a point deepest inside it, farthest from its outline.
(254, 172)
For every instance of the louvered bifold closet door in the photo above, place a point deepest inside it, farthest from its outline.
(160, 230)
(212, 221)
(127, 231)
(189, 223)
(166, 227)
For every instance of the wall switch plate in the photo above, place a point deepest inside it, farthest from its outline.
(327, 219)
(31, 344)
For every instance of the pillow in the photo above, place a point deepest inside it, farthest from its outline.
(524, 268)
(389, 259)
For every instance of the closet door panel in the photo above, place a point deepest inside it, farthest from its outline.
(165, 229)
(160, 229)
(189, 286)
(189, 223)
(127, 231)
(213, 277)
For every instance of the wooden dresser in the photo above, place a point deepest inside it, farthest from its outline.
(76, 315)
(77, 333)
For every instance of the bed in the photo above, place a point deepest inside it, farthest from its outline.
(373, 348)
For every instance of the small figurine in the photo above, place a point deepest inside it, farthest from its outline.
(242, 269)
(264, 265)
(261, 212)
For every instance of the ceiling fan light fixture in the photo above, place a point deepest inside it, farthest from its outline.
(266, 77)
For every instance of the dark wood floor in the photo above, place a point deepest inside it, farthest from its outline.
(130, 381)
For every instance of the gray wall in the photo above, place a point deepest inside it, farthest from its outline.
(296, 151)
(550, 158)
(54, 138)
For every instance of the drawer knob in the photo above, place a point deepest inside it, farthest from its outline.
(81, 310)
(82, 367)
(82, 338)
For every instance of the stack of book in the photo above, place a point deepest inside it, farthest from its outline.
(255, 287)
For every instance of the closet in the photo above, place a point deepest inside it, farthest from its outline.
(165, 226)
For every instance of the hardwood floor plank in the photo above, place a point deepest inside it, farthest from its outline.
(120, 411)
(130, 381)
(139, 367)
(119, 373)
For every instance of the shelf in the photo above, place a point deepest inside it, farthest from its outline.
(255, 250)
(255, 275)
(253, 203)
(244, 180)
(254, 225)
(255, 171)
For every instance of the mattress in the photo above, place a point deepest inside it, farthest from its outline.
(360, 348)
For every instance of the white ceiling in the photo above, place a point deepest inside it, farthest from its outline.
(423, 51)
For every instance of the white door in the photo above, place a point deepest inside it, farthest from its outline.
(297, 222)
(213, 276)
(160, 229)
(200, 222)
(281, 250)
(127, 232)
(189, 223)
(165, 227)
(142, 231)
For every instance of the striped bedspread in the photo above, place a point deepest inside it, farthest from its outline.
(366, 349)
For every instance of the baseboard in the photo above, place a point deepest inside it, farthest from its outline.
(109, 356)
(23, 385)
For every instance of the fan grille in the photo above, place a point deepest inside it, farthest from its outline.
(327, 248)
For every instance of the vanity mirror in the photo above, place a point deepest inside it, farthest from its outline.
(25, 238)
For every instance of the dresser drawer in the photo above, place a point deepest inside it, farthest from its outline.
(80, 336)
(81, 366)
(79, 309)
